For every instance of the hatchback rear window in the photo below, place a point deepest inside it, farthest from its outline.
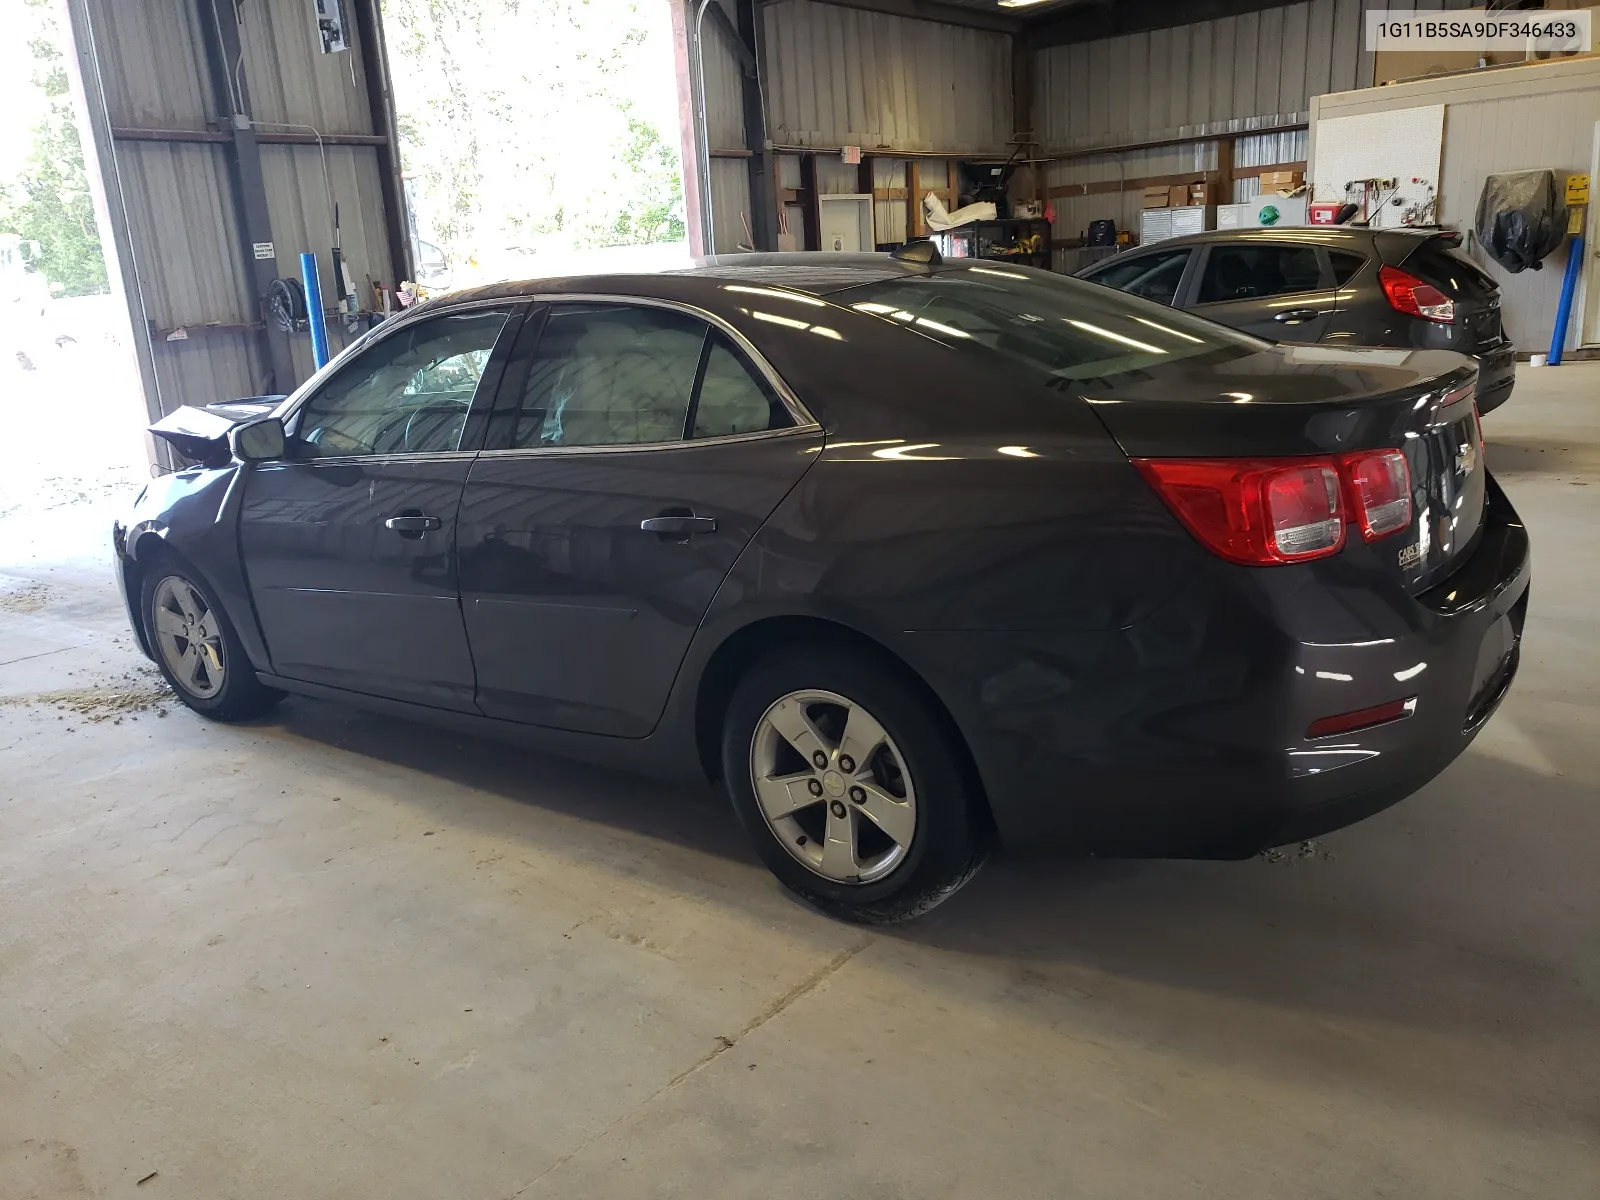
(1451, 271)
(1066, 329)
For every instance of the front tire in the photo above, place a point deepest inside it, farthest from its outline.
(196, 647)
(852, 788)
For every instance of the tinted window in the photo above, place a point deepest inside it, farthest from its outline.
(1063, 328)
(1451, 271)
(1151, 276)
(733, 399)
(609, 375)
(409, 393)
(1252, 271)
(1345, 265)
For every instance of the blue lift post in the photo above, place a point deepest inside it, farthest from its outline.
(314, 315)
(1569, 284)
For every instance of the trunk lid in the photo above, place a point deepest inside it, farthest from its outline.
(1314, 400)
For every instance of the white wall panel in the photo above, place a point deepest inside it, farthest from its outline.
(1512, 119)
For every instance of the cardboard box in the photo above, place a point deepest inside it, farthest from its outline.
(1273, 182)
(1156, 197)
(1201, 193)
(1178, 195)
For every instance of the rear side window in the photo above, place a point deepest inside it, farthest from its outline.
(610, 375)
(1063, 328)
(732, 398)
(1253, 271)
(1150, 276)
(1345, 265)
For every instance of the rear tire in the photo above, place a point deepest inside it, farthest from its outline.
(854, 791)
(196, 646)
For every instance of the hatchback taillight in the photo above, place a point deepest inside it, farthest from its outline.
(1380, 491)
(1261, 512)
(1415, 297)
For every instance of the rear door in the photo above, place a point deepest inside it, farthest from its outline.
(1277, 290)
(634, 452)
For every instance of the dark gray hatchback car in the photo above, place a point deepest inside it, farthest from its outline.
(1409, 289)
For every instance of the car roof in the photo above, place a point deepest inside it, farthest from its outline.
(813, 272)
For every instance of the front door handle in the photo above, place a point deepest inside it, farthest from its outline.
(1295, 315)
(678, 526)
(412, 524)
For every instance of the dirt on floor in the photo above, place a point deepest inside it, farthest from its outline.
(126, 695)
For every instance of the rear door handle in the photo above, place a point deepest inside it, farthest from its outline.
(413, 523)
(1295, 315)
(678, 527)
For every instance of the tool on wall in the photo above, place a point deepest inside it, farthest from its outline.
(344, 287)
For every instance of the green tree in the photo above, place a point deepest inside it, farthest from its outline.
(50, 202)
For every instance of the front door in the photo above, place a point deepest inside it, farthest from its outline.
(349, 543)
(635, 453)
(1276, 290)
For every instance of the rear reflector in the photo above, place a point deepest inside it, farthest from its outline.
(1254, 511)
(1415, 297)
(1362, 718)
(1380, 491)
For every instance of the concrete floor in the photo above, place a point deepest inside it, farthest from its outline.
(334, 955)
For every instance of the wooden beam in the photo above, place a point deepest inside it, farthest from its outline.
(810, 202)
(220, 137)
(1139, 182)
(1186, 140)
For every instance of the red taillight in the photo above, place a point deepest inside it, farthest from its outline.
(1261, 512)
(1254, 511)
(1415, 297)
(1362, 718)
(1380, 491)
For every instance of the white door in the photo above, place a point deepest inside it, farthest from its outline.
(1589, 279)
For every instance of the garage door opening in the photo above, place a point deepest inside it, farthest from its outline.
(537, 138)
(63, 333)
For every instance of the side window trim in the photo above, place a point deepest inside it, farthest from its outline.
(483, 400)
(501, 422)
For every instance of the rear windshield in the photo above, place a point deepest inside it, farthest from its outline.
(1451, 271)
(1065, 329)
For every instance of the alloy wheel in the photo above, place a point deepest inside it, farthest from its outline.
(833, 786)
(189, 636)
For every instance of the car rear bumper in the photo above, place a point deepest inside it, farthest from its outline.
(1497, 375)
(1185, 734)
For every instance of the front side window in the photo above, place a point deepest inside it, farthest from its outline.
(1064, 328)
(1151, 276)
(407, 394)
(1252, 271)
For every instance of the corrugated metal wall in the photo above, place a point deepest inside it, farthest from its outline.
(185, 265)
(846, 77)
(1510, 119)
(1231, 74)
